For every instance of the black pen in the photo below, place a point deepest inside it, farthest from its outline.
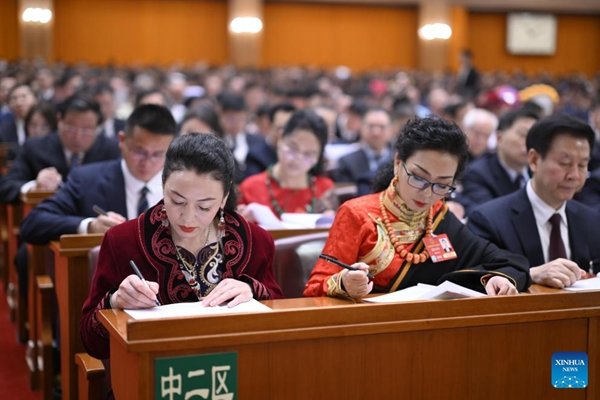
(98, 210)
(337, 262)
(139, 274)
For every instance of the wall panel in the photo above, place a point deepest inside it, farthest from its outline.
(358, 36)
(577, 49)
(9, 30)
(141, 31)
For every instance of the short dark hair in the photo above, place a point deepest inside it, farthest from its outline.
(203, 154)
(153, 118)
(312, 122)
(433, 134)
(542, 133)
(79, 103)
(46, 110)
(206, 114)
(285, 107)
(424, 134)
(507, 119)
(231, 102)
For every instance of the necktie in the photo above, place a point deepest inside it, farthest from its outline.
(519, 181)
(556, 249)
(143, 201)
(74, 161)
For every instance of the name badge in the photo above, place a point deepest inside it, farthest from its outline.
(439, 248)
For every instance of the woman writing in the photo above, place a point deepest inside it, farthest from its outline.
(294, 184)
(189, 247)
(395, 235)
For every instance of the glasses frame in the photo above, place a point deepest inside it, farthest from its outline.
(418, 182)
(142, 155)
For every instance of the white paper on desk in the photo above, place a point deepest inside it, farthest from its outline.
(445, 290)
(585, 284)
(305, 220)
(195, 309)
(264, 216)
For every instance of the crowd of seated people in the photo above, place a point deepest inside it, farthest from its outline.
(506, 170)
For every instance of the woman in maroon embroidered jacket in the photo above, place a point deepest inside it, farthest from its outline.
(189, 247)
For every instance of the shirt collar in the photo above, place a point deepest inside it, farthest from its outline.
(541, 210)
(131, 182)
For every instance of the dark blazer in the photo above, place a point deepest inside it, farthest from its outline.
(484, 179)
(354, 167)
(509, 223)
(260, 155)
(9, 136)
(100, 183)
(590, 194)
(39, 153)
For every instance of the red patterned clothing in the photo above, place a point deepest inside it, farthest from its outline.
(358, 234)
(255, 189)
(247, 253)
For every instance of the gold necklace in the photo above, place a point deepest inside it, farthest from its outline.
(400, 248)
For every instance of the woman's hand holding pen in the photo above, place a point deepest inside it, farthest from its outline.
(357, 283)
(135, 293)
(226, 290)
(103, 222)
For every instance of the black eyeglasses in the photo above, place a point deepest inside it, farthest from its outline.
(421, 183)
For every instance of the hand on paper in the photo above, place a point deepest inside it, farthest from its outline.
(101, 223)
(356, 283)
(135, 293)
(226, 290)
(559, 273)
(499, 285)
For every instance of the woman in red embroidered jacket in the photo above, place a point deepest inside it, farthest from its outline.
(385, 233)
(191, 246)
(295, 183)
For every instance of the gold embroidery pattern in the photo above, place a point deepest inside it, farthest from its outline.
(382, 254)
(334, 285)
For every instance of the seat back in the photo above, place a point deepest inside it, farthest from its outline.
(93, 254)
(294, 260)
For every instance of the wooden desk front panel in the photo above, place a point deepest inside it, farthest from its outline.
(507, 359)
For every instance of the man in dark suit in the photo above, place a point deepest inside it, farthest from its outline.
(467, 80)
(43, 163)
(503, 172)
(540, 221)
(115, 186)
(590, 194)
(245, 146)
(105, 96)
(360, 166)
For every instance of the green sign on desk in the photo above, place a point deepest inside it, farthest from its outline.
(206, 376)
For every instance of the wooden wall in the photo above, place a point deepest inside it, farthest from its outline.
(363, 37)
(141, 31)
(577, 46)
(9, 30)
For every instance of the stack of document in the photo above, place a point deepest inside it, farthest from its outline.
(195, 309)
(445, 290)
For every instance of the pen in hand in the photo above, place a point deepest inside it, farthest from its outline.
(98, 210)
(337, 262)
(139, 274)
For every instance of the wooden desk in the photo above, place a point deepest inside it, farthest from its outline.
(71, 268)
(492, 348)
(38, 258)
